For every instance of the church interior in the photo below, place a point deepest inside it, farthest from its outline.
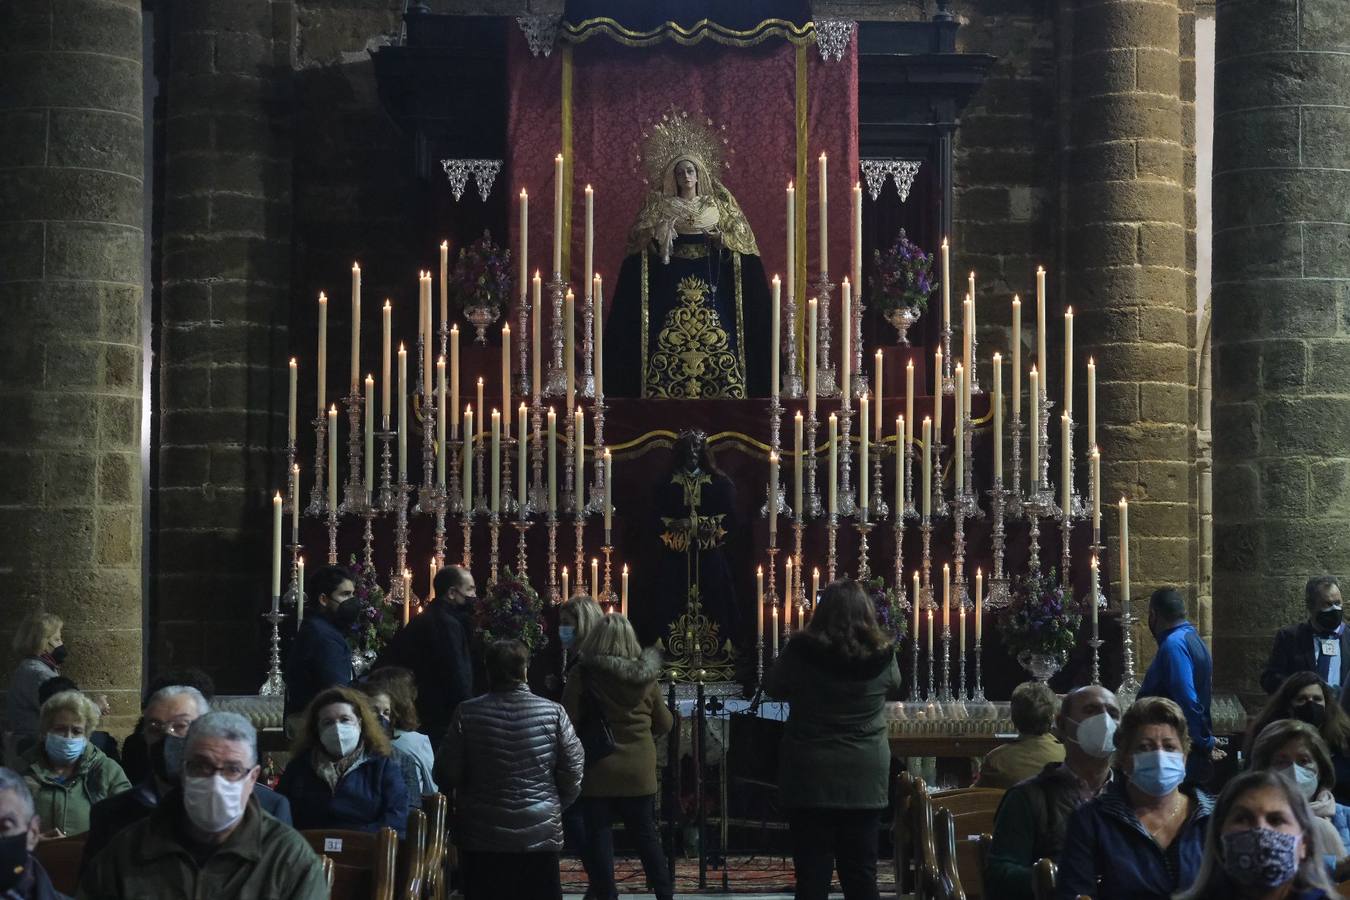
(698, 309)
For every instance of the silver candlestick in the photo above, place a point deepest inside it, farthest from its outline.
(525, 341)
(553, 592)
(354, 491)
(568, 501)
(831, 555)
(847, 503)
(494, 534)
(910, 511)
(999, 594)
(775, 446)
(864, 528)
(877, 507)
(1014, 497)
(827, 385)
(509, 504)
(332, 534)
(480, 503)
(811, 496)
(587, 387)
(970, 500)
(555, 380)
(538, 498)
(318, 496)
(791, 375)
(769, 600)
(948, 384)
(275, 685)
(860, 382)
(601, 471)
(522, 558)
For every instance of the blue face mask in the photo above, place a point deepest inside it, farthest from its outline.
(567, 634)
(63, 750)
(1158, 772)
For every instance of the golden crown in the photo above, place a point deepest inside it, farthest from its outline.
(677, 134)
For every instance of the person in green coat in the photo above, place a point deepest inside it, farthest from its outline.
(66, 773)
(834, 761)
(209, 838)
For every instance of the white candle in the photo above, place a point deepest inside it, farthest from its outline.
(864, 439)
(811, 355)
(797, 462)
(506, 382)
(1040, 319)
(295, 507)
(1066, 462)
(292, 388)
(569, 358)
(930, 636)
(454, 381)
(523, 458)
(323, 353)
(1096, 495)
(927, 467)
(1092, 596)
(1035, 429)
(552, 462)
(623, 595)
(579, 429)
(857, 244)
(791, 242)
(773, 492)
(445, 282)
(1068, 361)
(773, 631)
(442, 450)
(1016, 357)
(909, 406)
(937, 395)
(824, 217)
(833, 508)
(300, 581)
(815, 585)
(876, 385)
(332, 460)
(565, 592)
(276, 549)
(759, 605)
(536, 338)
(386, 363)
(402, 415)
(496, 462)
(967, 329)
(609, 495)
(899, 465)
(1092, 402)
(979, 605)
(998, 423)
(468, 461)
(914, 596)
(598, 336)
(959, 434)
(589, 256)
(595, 577)
(962, 620)
(775, 336)
(482, 423)
(1124, 553)
(946, 597)
(846, 348)
(946, 284)
(557, 213)
(524, 260)
(356, 328)
(370, 436)
(787, 594)
(428, 355)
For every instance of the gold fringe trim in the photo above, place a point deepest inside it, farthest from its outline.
(704, 29)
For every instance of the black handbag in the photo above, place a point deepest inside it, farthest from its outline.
(597, 738)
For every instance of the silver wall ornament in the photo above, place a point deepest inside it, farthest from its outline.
(484, 172)
(902, 171)
(541, 32)
(832, 37)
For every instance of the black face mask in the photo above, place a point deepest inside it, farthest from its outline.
(1312, 713)
(345, 614)
(387, 726)
(58, 653)
(13, 859)
(1329, 619)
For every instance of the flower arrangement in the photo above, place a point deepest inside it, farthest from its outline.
(481, 276)
(904, 277)
(1040, 619)
(377, 620)
(511, 610)
(890, 609)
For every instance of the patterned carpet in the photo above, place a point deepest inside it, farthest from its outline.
(745, 875)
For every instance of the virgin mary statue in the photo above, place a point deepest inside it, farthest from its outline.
(690, 316)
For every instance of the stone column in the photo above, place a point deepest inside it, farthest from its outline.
(1127, 276)
(72, 248)
(1281, 310)
(225, 301)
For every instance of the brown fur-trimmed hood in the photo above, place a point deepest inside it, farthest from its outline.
(622, 681)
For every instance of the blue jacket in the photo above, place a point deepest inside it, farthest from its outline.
(1183, 672)
(319, 658)
(1105, 840)
(370, 795)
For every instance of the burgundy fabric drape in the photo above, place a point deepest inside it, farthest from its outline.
(617, 90)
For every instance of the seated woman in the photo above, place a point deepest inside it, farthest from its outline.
(1144, 835)
(389, 691)
(65, 772)
(1306, 697)
(1033, 710)
(342, 772)
(1257, 845)
(1297, 752)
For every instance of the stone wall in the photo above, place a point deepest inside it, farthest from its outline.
(1281, 308)
(72, 247)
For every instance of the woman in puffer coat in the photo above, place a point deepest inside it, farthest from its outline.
(514, 764)
(615, 676)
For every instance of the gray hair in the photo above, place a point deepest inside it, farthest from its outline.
(13, 781)
(226, 726)
(178, 690)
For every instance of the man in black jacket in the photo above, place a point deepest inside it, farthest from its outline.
(1318, 645)
(319, 657)
(435, 645)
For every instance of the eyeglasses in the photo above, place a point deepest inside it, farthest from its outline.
(177, 727)
(198, 768)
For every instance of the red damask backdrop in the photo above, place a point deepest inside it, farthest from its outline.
(617, 90)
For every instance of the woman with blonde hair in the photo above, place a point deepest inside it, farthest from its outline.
(66, 773)
(576, 617)
(342, 772)
(1295, 750)
(37, 644)
(615, 683)
(834, 760)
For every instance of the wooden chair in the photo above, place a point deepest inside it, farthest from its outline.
(364, 864)
(412, 856)
(61, 858)
(902, 833)
(437, 808)
(925, 850)
(1043, 879)
(973, 809)
(327, 862)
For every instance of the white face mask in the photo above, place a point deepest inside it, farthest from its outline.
(1302, 777)
(340, 738)
(1096, 735)
(214, 803)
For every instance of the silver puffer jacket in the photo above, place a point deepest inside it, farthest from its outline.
(515, 764)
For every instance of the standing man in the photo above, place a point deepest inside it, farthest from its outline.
(1034, 814)
(436, 647)
(319, 657)
(1318, 644)
(1183, 672)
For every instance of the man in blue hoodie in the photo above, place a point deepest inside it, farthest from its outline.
(1183, 672)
